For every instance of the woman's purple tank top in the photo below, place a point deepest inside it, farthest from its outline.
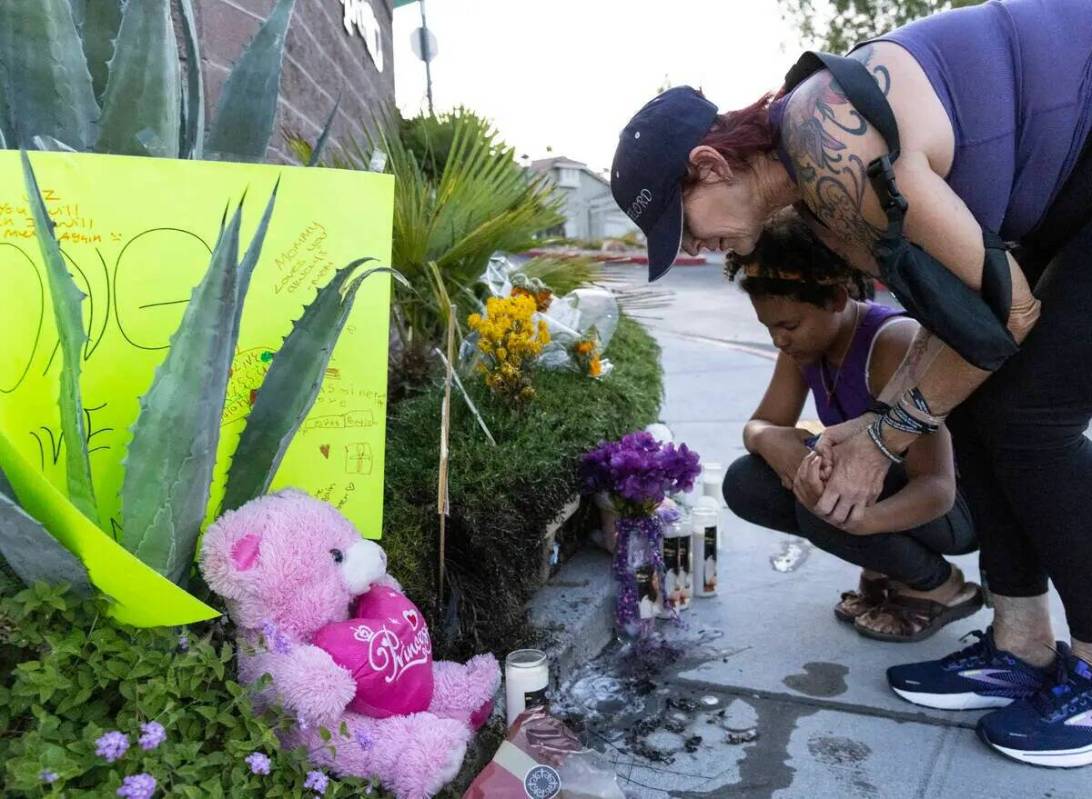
(1016, 80)
(851, 396)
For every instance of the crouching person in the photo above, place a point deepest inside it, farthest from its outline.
(843, 349)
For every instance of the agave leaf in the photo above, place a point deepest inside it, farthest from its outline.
(290, 387)
(320, 145)
(248, 102)
(49, 144)
(140, 109)
(34, 554)
(99, 29)
(79, 11)
(193, 122)
(170, 459)
(69, 319)
(250, 259)
(45, 88)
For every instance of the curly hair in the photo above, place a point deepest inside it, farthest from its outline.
(790, 261)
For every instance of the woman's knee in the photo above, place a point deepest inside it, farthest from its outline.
(742, 482)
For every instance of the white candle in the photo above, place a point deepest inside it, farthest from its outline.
(526, 678)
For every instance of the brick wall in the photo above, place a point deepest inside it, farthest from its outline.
(321, 60)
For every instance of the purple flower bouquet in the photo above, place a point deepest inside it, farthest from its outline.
(637, 473)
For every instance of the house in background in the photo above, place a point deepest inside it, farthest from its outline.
(590, 210)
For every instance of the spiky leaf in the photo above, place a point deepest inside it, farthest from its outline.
(250, 259)
(316, 154)
(79, 9)
(290, 387)
(68, 316)
(99, 30)
(34, 554)
(193, 122)
(45, 88)
(248, 102)
(140, 109)
(170, 459)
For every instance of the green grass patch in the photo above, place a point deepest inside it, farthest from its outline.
(503, 497)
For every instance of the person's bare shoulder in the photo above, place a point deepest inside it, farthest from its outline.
(889, 348)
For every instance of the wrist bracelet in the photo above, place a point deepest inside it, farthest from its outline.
(898, 418)
(913, 402)
(875, 432)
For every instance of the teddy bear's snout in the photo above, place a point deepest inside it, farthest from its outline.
(365, 562)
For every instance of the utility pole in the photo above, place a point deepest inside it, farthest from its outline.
(426, 56)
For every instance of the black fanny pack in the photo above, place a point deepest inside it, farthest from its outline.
(973, 324)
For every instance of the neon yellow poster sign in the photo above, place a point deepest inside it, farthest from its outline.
(137, 234)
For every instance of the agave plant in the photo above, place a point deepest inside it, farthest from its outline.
(106, 76)
(170, 459)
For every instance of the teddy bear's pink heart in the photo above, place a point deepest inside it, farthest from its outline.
(386, 647)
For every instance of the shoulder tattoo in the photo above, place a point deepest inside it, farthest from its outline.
(820, 127)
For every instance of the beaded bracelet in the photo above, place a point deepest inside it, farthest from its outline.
(875, 432)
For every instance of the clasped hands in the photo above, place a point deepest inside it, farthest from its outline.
(843, 476)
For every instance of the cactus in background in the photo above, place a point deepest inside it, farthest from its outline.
(105, 76)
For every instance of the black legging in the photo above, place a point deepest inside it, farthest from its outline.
(915, 557)
(1025, 463)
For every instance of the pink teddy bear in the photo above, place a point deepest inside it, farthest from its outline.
(295, 573)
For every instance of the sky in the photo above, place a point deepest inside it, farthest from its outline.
(569, 74)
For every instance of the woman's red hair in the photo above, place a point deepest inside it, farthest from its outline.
(740, 135)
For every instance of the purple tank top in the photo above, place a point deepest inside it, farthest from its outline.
(851, 396)
(1015, 77)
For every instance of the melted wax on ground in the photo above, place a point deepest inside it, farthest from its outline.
(625, 701)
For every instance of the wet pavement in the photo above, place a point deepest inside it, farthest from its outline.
(770, 696)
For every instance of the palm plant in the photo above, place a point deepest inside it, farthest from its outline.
(459, 198)
(58, 62)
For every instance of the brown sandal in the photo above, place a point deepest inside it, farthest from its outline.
(915, 618)
(870, 593)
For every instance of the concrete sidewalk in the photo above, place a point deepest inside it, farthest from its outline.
(767, 661)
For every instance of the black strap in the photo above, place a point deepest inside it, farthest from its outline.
(859, 87)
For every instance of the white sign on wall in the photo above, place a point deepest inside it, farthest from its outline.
(359, 17)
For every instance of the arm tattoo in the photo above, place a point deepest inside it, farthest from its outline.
(923, 351)
(833, 182)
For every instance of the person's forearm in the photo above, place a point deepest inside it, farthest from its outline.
(919, 502)
(781, 447)
(944, 378)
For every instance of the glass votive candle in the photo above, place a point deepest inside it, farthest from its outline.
(526, 679)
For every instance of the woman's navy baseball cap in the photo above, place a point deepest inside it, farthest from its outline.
(650, 163)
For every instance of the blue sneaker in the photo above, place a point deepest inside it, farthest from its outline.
(978, 677)
(1053, 727)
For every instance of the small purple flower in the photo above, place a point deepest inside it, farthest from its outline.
(183, 642)
(259, 763)
(137, 786)
(112, 745)
(364, 740)
(274, 639)
(48, 777)
(303, 723)
(317, 782)
(152, 735)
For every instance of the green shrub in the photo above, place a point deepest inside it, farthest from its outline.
(502, 497)
(68, 674)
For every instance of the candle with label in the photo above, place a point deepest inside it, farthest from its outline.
(678, 568)
(526, 680)
(704, 543)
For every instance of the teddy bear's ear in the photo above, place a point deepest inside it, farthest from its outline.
(246, 551)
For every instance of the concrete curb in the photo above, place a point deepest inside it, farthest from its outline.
(574, 612)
